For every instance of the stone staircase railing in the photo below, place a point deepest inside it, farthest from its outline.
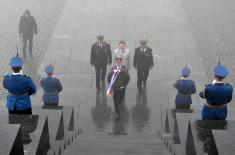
(48, 131)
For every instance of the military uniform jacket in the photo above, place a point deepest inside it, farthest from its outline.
(51, 87)
(20, 87)
(27, 26)
(100, 54)
(185, 88)
(122, 79)
(217, 93)
(143, 58)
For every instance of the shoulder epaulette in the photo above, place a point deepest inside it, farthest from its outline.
(228, 84)
(42, 78)
(25, 75)
(6, 75)
(55, 78)
(107, 44)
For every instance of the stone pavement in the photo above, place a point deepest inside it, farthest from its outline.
(162, 23)
(46, 13)
(212, 23)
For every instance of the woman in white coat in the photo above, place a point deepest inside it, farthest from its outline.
(124, 53)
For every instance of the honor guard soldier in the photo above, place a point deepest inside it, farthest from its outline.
(100, 56)
(118, 79)
(51, 88)
(185, 88)
(143, 61)
(20, 87)
(217, 94)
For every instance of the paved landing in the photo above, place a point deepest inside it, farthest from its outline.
(162, 23)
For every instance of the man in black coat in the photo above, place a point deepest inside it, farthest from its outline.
(118, 84)
(27, 28)
(143, 61)
(100, 56)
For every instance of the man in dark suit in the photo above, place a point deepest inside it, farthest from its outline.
(118, 79)
(100, 56)
(27, 28)
(143, 61)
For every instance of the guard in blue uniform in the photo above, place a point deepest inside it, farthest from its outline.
(217, 95)
(51, 87)
(185, 88)
(20, 87)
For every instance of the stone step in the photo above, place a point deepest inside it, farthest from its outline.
(224, 139)
(11, 139)
(133, 137)
(118, 139)
(176, 128)
(62, 126)
(89, 145)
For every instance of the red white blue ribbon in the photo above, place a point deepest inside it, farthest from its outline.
(114, 77)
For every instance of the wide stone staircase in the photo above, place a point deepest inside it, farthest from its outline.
(111, 144)
(48, 131)
(87, 129)
(134, 134)
(185, 133)
(145, 128)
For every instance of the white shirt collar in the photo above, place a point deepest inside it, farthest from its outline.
(20, 73)
(214, 81)
(184, 78)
